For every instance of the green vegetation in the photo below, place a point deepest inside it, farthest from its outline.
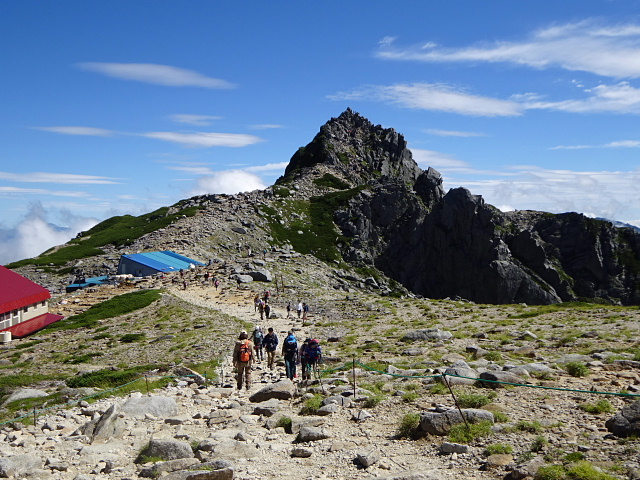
(118, 231)
(601, 406)
(113, 307)
(538, 443)
(108, 378)
(581, 470)
(474, 400)
(409, 426)
(498, 449)
(467, 433)
(577, 369)
(132, 337)
(319, 236)
(312, 405)
(529, 426)
(284, 422)
(331, 181)
(410, 397)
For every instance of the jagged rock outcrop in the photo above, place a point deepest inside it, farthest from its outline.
(439, 245)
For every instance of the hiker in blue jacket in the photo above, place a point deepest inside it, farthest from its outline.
(290, 353)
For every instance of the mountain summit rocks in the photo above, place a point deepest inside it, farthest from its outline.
(400, 221)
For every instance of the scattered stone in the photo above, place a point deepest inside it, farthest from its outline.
(301, 452)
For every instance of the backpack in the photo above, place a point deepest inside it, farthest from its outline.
(313, 351)
(290, 345)
(245, 352)
(257, 337)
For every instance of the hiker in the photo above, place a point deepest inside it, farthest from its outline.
(270, 343)
(303, 359)
(313, 354)
(216, 283)
(288, 309)
(185, 284)
(242, 359)
(267, 310)
(206, 278)
(256, 302)
(290, 353)
(305, 311)
(257, 343)
(299, 309)
(261, 309)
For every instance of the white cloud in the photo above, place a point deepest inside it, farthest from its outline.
(190, 119)
(88, 131)
(607, 194)
(453, 133)
(206, 139)
(196, 170)
(620, 98)
(612, 51)
(616, 144)
(155, 74)
(430, 96)
(228, 181)
(35, 234)
(47, 177)
(269, 167)
(40, 191)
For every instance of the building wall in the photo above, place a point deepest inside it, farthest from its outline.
(13, 317)
(128, 266)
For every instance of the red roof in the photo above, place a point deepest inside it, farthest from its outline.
(17, 291)
(33, 325)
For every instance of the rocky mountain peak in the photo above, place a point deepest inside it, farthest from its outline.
(358, 151)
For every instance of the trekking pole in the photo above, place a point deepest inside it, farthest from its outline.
(317, 373)
(455, 400)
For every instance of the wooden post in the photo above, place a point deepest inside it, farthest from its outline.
(35, 417)
(146, 379)
(353, 370)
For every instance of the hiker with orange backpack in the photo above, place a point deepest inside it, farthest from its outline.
(242, 360)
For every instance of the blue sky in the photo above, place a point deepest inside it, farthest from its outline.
(114, 107)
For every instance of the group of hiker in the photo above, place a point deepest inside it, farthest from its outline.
(246, 350)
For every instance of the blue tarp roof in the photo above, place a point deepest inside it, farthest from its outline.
(166, 261)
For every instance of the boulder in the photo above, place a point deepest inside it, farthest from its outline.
(493, 377)
(461, 369)
(312, 434)
(18, 466)
(366, 458)
(626, 422)
(260, 275)
(24, 393)
(440, 423)
(160, 407)
(282, 390)
(168, 449)
(427, 334)
(268, 408)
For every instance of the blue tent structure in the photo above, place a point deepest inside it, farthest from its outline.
(151, 263)
(81, 282)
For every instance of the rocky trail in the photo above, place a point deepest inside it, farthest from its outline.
(194, 430)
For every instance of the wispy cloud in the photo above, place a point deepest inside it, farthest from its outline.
(589, 46)
(205, 139)
(620, 98)
(616, 144)
(269, 167)
(165, 75)
(88, 131)
(40, 191)
(48, 177)
(453, 133)
(195, 170)
(190, 119)
(434, 96)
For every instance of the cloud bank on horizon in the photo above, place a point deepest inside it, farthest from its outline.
(540, 118)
